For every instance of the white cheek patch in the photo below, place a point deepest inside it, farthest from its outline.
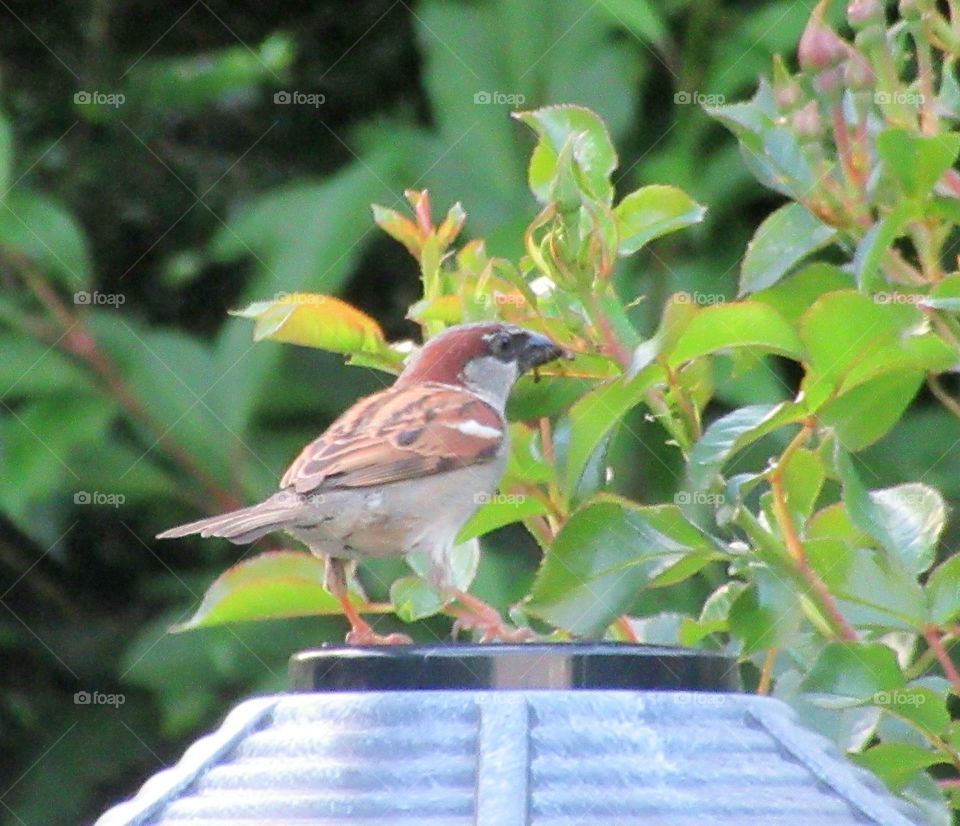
(471, 427)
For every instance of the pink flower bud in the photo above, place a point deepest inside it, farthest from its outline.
(829, 81)
(786, 90)
(820, 47)
(861, 12)
(806, 122)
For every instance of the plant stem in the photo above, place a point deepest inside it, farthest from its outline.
(685, 403)
(817, 587)
(625, 627)
(938, 390)
(541, 530)
(919, 666)
(928, 113)
(553, 492)
(934, 639)
(766, 675)
(844, 150)
(612, 344)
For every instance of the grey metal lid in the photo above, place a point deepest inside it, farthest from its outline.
(555, 758)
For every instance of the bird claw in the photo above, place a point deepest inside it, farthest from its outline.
(493, 629)
(367, 636)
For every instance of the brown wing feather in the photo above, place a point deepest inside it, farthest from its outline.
(396, 435)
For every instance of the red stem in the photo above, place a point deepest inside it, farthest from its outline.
(934, 639)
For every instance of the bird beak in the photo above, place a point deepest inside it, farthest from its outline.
(541, 350)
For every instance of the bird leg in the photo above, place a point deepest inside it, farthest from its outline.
(360, 633)
(477, 615)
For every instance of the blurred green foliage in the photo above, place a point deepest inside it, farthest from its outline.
(152, 179)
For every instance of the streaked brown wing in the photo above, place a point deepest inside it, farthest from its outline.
(396, 435)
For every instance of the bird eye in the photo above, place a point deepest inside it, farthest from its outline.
(501, 344)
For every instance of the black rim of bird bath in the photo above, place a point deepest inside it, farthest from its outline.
(553, 666)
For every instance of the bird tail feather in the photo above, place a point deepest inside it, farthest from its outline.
(240, 526)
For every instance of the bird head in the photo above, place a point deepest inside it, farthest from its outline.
(485, 358)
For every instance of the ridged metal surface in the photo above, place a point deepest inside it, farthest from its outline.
(547, 758)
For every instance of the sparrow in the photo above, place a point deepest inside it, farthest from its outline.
(402, 470)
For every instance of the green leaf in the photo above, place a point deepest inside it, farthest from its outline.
(639, 17)
(551, 395)
(866, 413)
(731, 433)
(920, 706)
(503, 509)
(877, 241)
(678, 312)
(590, 145)
(272, 585)
(833, 522)
(463, 562)
(917, 162)
(943, 592)
(803, 477)
(785, 237)
(793, 296)
(923, 792)
(746, 324)
(906, 520)
(766, 614)
(43, 231)
(772, 152)
(189, 83)
(853, 672)
(872, 593)
(399, 227)
(874, 338)
(596, 414)
(651, 212)
(896, 763)
(314, 320)
(414, 599)
(714, 614)
(607, 552)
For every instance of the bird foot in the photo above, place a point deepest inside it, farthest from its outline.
(493, 632)
(367, 636)
(490, 624)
